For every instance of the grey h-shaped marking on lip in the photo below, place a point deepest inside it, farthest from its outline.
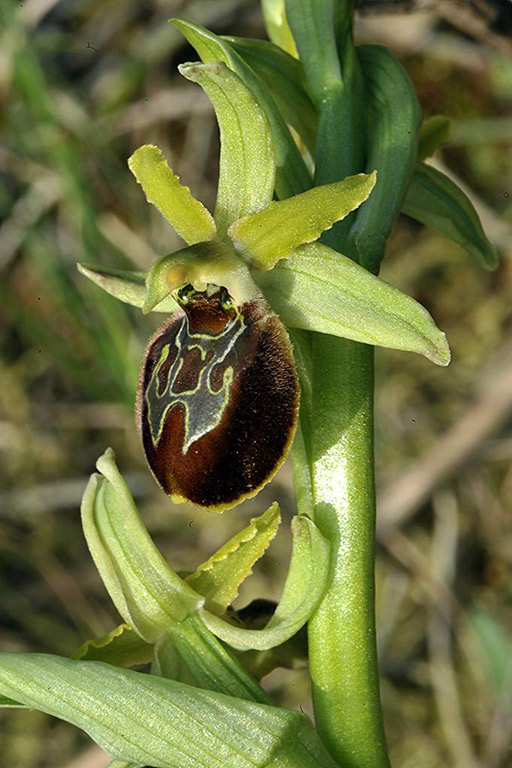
(203, 405)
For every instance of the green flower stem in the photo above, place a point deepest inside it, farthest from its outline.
(338, 414)
(341, 634)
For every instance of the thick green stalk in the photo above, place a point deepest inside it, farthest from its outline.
(337, 420)
(342, 646)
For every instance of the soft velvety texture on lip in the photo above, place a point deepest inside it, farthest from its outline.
(256, 422)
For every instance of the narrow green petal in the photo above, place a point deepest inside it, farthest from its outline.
(147, 720)
(122, 647)
(304, 587)
(318, 289)
(129, 287)
(292, 175)
(148, 594)
(434, 131)
(273, 233)
(247, 164)
(162, 187)
(219, 578)
(435, 201)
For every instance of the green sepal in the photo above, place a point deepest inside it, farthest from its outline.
(292, 175)
(434, 131)
(129, 287)
(273, 233)
(247, 165)
(434, 200)
(191, 220)
(211, 664)
(148, 594)
(318, 289)
(394, 120)
(211, 262)
(122, 647)
(303, 589)
(283, 75)
(171, 725)
(219, 578)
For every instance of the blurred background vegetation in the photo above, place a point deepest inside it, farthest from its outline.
(82, 84)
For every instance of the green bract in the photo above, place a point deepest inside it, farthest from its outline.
(393, 126)
(282, 74)
(434, 200)
(146, 720)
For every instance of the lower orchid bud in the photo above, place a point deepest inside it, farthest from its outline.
(218, 398)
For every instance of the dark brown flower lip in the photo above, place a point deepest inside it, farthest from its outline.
(224, 428)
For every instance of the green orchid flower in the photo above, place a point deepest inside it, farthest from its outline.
(218, 396)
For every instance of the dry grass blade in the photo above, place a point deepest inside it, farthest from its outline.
(439, 637)
(489, 413)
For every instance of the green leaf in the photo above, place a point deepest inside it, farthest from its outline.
(148, 720)
(304, 587)
(210, 663)
(247, 164)
(320, 290)
(121, 647)
(200, 264)
(123, 764)
(148, 594)
(394, 120)
(129, 287)
(273, 233)
(162, 187)
(434, 200)
(284, 77)
(292, 176)
(434, 131)
(219, 578)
